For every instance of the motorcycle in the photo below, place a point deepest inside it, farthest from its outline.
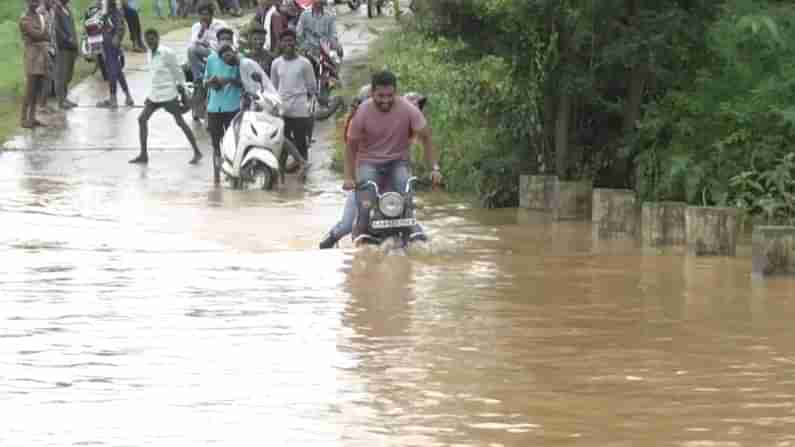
(391, 216)
(254, 147)
(91, 41)
(328, 77)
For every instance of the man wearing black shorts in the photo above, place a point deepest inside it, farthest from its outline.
(167, 86)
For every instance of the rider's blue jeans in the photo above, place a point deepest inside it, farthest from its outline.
(399, 171)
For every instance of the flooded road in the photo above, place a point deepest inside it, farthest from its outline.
(143, 306)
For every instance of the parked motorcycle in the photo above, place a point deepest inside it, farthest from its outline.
(254, 147)
(391, 216)
(328, 78)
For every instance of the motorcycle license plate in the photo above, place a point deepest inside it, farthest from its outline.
(394, 223)
(95, 39)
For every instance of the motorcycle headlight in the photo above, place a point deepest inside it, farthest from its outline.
(391, 204)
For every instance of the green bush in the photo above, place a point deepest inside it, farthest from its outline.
(727, 138)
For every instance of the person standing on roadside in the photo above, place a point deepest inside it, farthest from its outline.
(65, 53)
(203, 41)
(168, 81)
(257, 52)
(294, 79)
(35, 40)
(224, 85)
(113, 57)
(272, 21)
(316, 26)
(133, 19)
(172, 5)
(47, 12)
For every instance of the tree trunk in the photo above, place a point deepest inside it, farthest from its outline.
(562, 134)
(634, 100)
(548, 139)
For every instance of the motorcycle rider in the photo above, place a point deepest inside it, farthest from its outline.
(379, 143)
(314, 27)
(345, 225)
(203, 40)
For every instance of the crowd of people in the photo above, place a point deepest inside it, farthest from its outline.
(278, 56)
(51, 39)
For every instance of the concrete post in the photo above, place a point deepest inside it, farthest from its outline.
(711, 230)
(663, 223)
(773, 250)
(615, 213)
(565, 200)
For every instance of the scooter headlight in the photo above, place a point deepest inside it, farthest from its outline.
(391, 204)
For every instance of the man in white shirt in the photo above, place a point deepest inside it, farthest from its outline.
(167, 85)
(203, 38)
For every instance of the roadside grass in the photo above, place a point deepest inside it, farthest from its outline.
(11, 74)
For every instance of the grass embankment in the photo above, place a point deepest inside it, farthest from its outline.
(458, 85)
(12, 77)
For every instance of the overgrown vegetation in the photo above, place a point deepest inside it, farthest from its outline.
(679, 99)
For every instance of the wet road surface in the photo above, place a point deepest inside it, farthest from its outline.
(143, 306)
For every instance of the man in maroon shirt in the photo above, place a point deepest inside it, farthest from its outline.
(379, 143)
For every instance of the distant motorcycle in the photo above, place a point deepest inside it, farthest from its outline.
(328, 78)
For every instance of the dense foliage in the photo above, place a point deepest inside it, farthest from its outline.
(679, 99)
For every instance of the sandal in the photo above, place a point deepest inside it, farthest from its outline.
(107, 104)
(129, 102)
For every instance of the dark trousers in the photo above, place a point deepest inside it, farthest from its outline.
(218, 122)
(297, 130)
(134, 23)
(64, 70)
(172, 107)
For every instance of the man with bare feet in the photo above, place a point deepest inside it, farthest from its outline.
(167, 85)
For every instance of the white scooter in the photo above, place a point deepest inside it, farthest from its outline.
(254, 148)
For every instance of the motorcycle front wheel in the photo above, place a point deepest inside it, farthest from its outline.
(260, 176)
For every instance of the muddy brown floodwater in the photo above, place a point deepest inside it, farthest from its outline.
(143, 306)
